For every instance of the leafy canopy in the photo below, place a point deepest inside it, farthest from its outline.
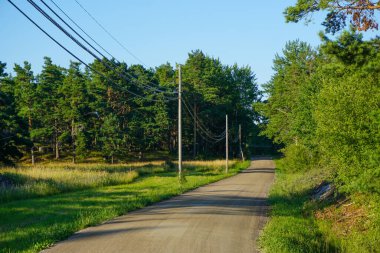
(360, 13)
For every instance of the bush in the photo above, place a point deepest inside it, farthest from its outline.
(297, 158)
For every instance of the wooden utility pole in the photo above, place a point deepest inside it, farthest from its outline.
(179, 123)
(226, 143)
(241, 149)
(195, 131)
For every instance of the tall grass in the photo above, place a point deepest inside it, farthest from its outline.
(28, 182)
(60, 177)
(211, 165)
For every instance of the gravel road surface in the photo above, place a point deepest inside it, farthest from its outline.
(225, 216)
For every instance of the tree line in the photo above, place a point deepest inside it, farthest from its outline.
(121, 111)
(324, 107)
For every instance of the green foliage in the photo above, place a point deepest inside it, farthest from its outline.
(111, 137)
(298, 158)
(348, 113)
(361, 14)
(214, 91)
(291, 100)
(324, 107)
(12, 128)
(115, 110)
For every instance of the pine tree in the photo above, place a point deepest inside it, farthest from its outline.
(49, 82)
(111, 137)
(26, 101)
(73, 103)
(13, 133)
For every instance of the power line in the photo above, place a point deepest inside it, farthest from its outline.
(197, 118)
(131, 76)
(80, 28)
(202, 126)
(72, 37)
(72, 29)
(205, 131)
(47, 16)
(109, 34)
(68, 51)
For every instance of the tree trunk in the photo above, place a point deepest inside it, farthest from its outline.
(112, 159)
(32, 154)
(30, 129)
(56, 148)
(56, 141)
(73, 139)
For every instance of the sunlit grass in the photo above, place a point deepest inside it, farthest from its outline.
(210, 163)
(31, 225)
(215, 165)
(43, 181)
(58, 177)
(95, 165)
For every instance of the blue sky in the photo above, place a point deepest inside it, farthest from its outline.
(245, 32)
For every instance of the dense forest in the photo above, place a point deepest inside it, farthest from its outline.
(111, 110)
(324, 107)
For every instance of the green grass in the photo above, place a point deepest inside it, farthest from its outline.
(33, 224)
(293, 226)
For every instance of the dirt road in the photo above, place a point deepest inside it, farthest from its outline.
(226, 216)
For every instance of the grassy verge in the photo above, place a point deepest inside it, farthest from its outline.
(300, 224)
(34, 224)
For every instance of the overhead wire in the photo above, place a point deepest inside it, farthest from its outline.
(109, 34)
(80, 28)
(76, 41)
(205, 131)
(68, 51)
(201, 125)
(196, 116)
(208, 134)
(205, 136)
(72, 29)
(39, 9)
(112, 37)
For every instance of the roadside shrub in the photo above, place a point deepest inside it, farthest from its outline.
(297, 158)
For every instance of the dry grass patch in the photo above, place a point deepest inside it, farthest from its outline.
(94, 166)
(212, 164)
(28, 182)
(344, 218)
